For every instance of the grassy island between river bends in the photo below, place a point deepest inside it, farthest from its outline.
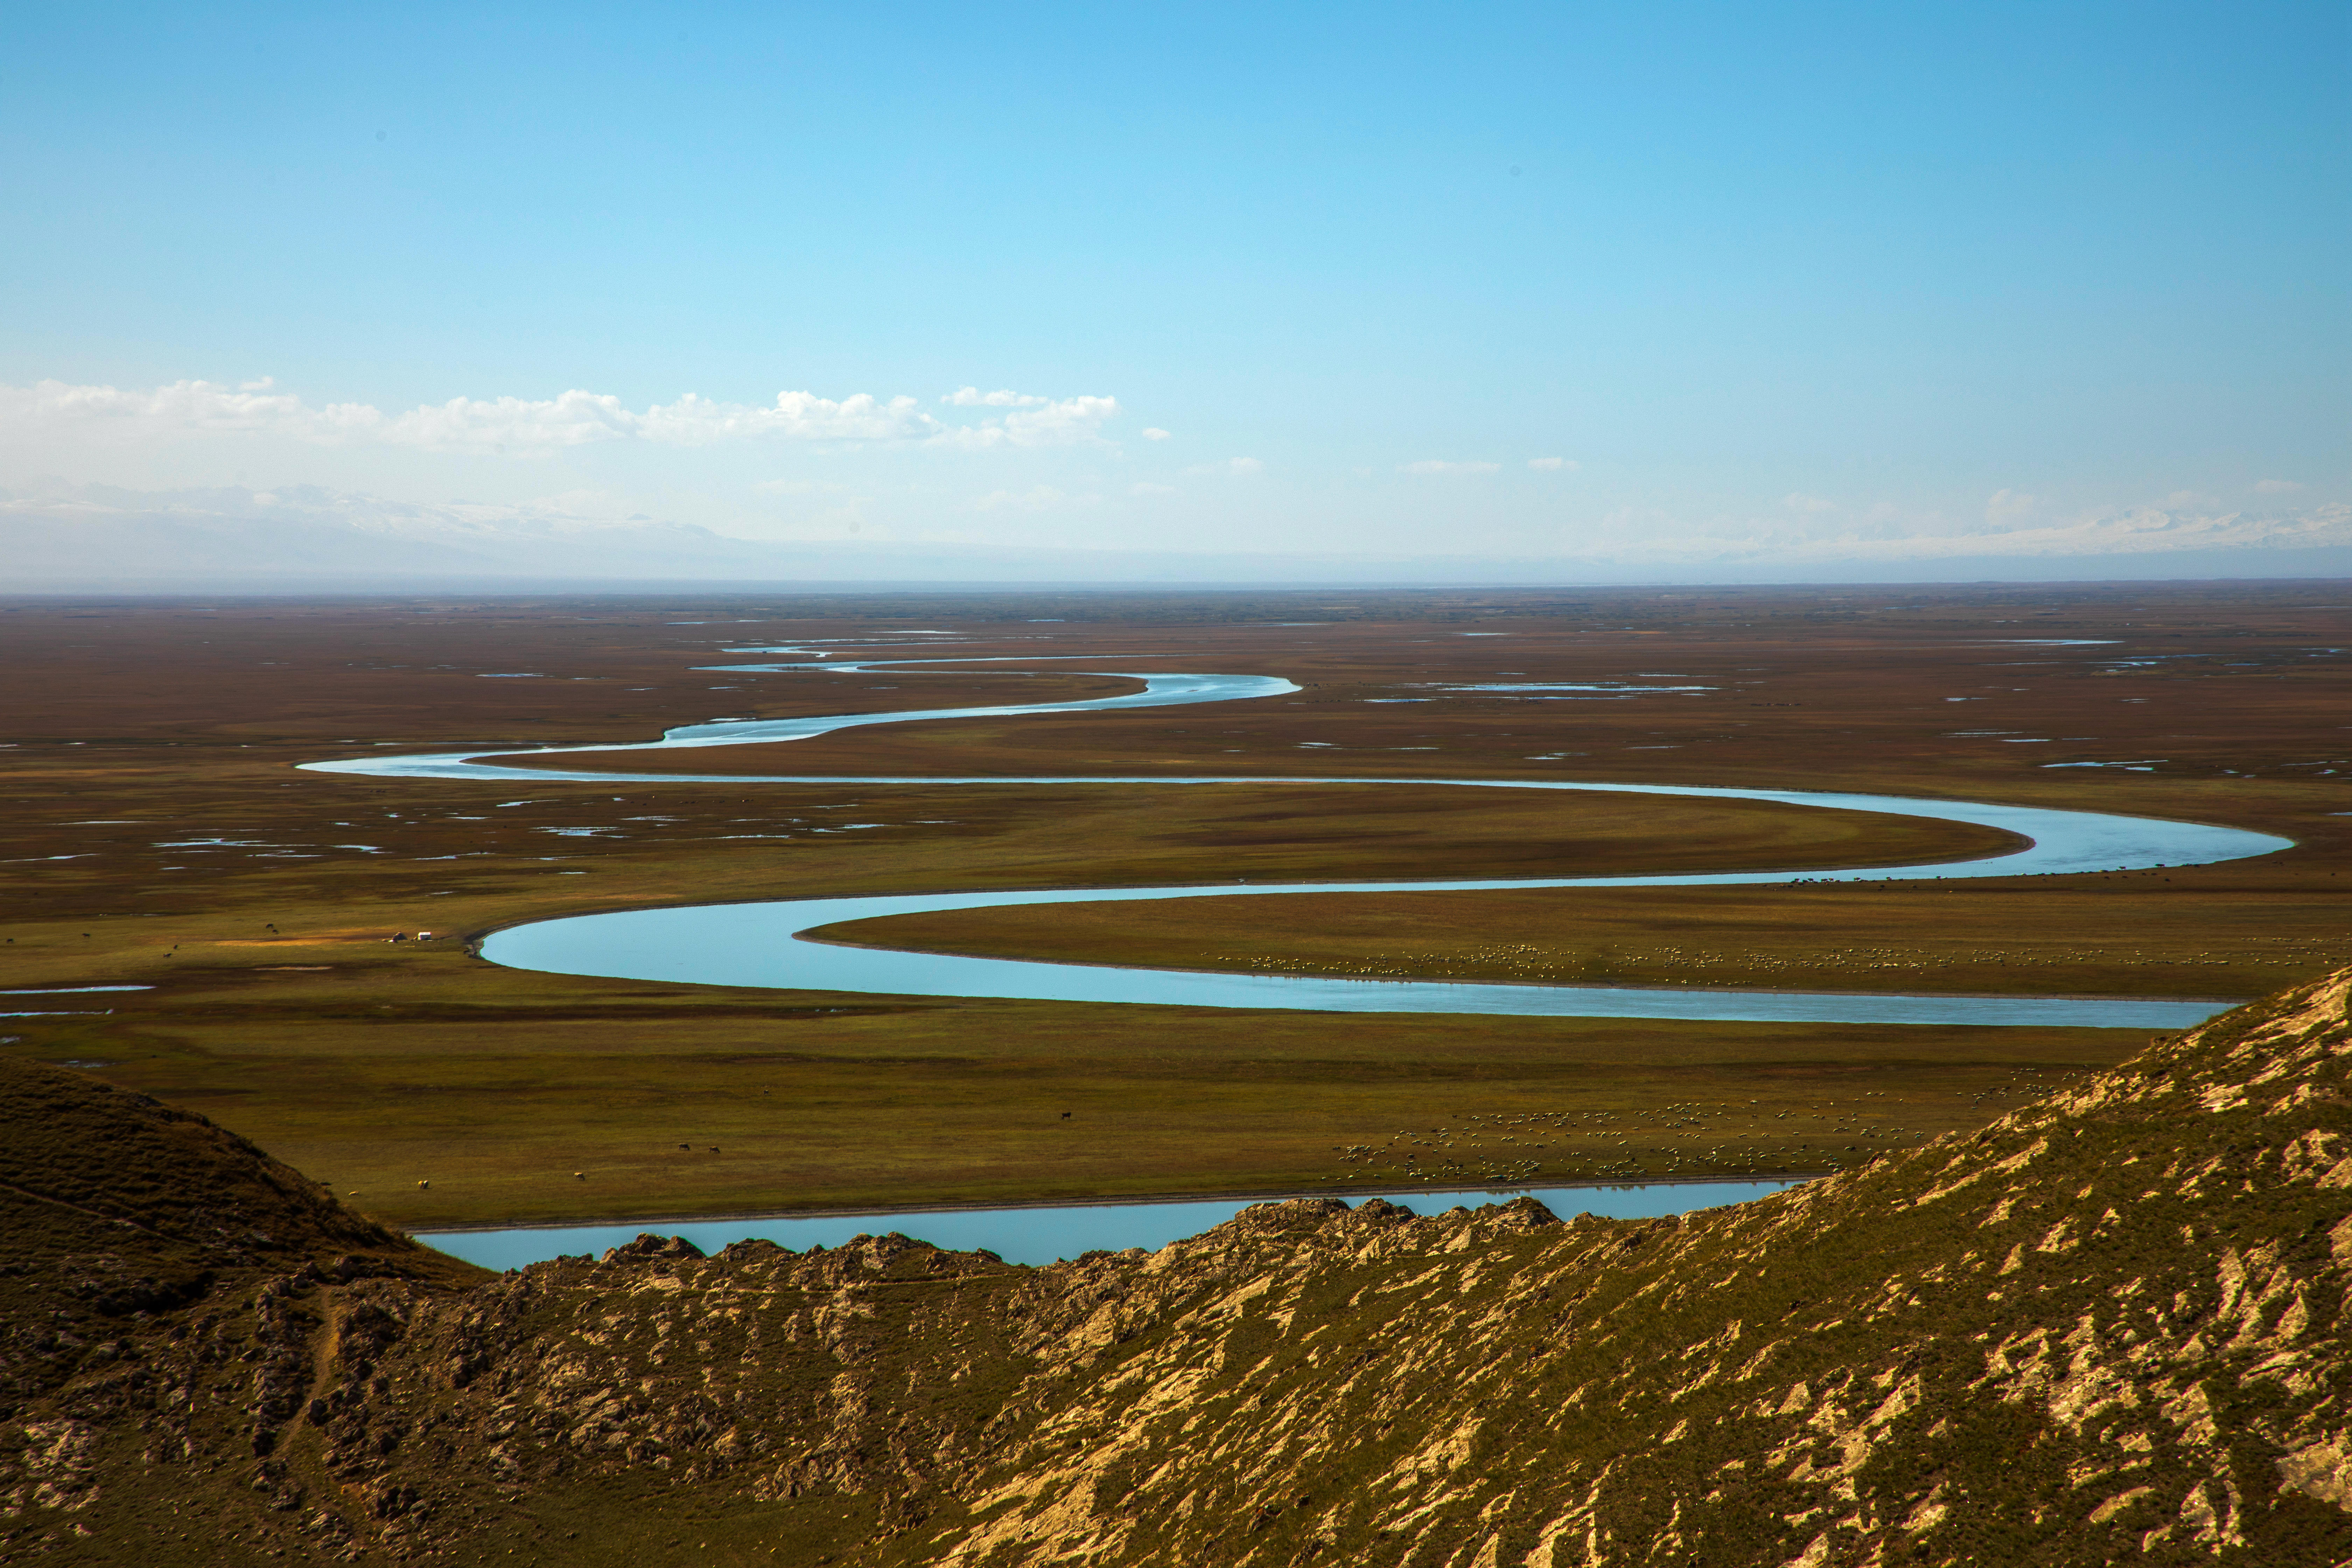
(2108, 1327)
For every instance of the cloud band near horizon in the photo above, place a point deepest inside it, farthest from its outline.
(516, 426)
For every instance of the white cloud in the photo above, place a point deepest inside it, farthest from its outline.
(1154, 433)
(576, 419)
(972, 397)
(1433, 465)
(1234, 466)
(582, 511)
(1037, 422)
(2003, 507)
(1798, 501)
(103, 531)
(2147, 528)
(695, 421)
(1553, 465)
(2276, 487)
(1647, 535)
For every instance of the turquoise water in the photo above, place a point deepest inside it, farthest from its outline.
(770, 945)
(1039, 1236)
(1160, 690)
(775, 944)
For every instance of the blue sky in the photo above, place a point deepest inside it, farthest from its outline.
(1757, 276)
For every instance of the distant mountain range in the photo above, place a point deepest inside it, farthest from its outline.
(97, 538)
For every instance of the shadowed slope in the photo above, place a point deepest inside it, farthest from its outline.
(113, 1206)
(2107, 1328)
(132, 1236)
(82, 1160)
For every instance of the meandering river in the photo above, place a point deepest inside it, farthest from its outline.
(768, 943)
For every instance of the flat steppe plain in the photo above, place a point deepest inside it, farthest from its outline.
(156, 833)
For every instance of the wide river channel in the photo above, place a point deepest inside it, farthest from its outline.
(768, 944)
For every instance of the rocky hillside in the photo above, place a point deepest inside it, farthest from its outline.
(2108, 1328)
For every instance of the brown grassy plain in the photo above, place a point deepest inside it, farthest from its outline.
(157, 835)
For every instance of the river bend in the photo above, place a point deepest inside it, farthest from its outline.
(768, 944)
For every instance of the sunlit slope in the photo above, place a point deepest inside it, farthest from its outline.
(2108, 1327)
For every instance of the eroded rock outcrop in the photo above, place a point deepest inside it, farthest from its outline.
(2108, 1328)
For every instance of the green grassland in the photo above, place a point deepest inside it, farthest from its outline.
(159, 836)
(536, 1096)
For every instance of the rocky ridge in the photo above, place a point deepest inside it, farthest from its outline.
(2107, 1328)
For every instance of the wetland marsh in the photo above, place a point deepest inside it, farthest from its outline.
(154, 804)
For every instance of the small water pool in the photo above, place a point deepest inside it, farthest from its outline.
(1040, 1236)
